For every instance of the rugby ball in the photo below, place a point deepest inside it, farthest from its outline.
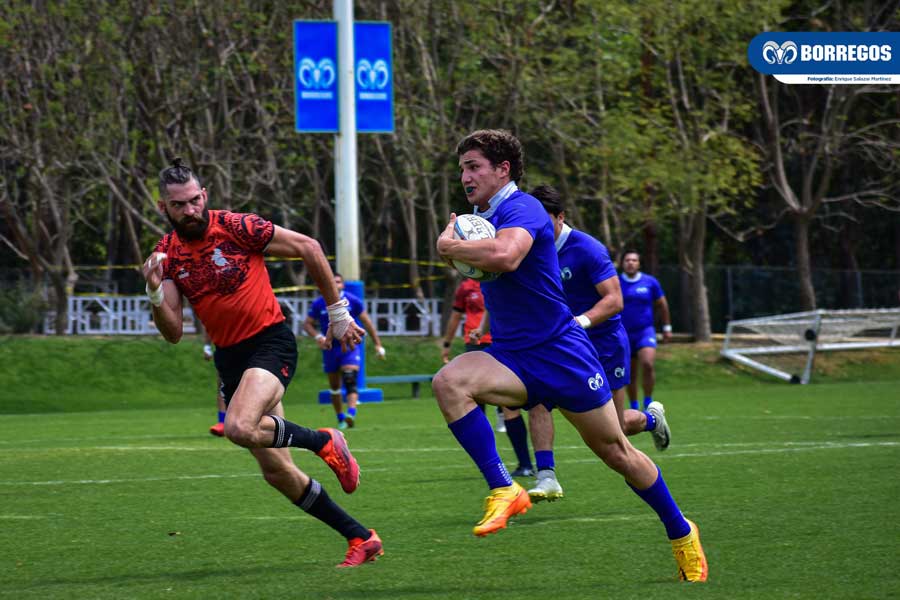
(473, 227)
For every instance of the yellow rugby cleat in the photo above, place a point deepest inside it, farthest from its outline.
(690, 557)
(503, 503)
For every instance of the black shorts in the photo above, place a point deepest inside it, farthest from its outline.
(273, 349)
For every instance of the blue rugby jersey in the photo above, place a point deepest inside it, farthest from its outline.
(527, 306)
(639, 295)
(583, 263)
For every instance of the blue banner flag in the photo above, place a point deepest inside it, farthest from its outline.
(374, 77)
(316, 77)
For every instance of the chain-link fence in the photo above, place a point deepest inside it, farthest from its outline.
(743, 292)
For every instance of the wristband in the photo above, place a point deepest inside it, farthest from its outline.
(207, 349)
(446, 344)
(667, 329)
(380, 351)
(584, 321)
(156, 296)
(319, 336)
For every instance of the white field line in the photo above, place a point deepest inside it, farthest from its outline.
(789, 447)
(192, 436)
(425, 450)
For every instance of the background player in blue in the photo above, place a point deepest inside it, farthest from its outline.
(591, 285)
(539, 354)
(642, 294)
(341, 366)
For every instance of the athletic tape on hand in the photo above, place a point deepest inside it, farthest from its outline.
(156, 296)
(339, 318)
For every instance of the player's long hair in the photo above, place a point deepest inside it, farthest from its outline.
(497, 145)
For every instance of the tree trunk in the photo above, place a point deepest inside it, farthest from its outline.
(694, 308)
(650, 253)
(685, 302)
(804, 267)
(699, 298)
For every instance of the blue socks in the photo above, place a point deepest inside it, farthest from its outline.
(351, 411)
(633, 405)
(647, 401)
(518, 437)
(221, 416)
(544, 459)
(651, 422)
(475, 435)
(660, 500)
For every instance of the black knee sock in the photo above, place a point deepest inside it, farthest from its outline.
(291, 434)
(518, 436)
(316, 502)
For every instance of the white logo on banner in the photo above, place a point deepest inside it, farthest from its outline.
(372, 78)
(316, 78)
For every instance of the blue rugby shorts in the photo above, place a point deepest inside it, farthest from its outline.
(564, 371)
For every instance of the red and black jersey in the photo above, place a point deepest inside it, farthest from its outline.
(224, 276)
(468, 300)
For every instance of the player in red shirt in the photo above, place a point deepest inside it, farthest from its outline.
(468, 301)
(214, 258)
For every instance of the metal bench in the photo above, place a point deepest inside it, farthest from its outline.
(415, 380)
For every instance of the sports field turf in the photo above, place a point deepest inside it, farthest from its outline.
(110, 487)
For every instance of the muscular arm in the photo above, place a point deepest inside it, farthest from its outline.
(291, 244)
(370, 327)
(309, 326)
(498, 255)
(662, 306)
(168, 316)
(286, 243)
(452, 328)
(610, 303)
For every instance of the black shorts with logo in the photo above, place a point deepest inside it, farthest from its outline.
(273, 349)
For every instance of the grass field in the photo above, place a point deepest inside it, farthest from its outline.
(110, 487)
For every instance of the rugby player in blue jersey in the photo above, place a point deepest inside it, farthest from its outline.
(341, 367)
(642, 294)
(591, 285)
(540, 354)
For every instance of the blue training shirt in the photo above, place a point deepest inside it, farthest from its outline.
(318, 309)
(639, 295)
(584, 262)
(527, 306)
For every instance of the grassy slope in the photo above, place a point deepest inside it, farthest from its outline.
(48, 374)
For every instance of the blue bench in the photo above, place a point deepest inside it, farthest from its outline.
(415, 380)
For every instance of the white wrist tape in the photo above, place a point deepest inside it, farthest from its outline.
(380, 351)
(207, 349)
(156, 296)
(584, 321)
(339, 318)
(667, 329)
(319, 336)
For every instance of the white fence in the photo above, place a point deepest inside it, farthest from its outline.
(130, 315)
